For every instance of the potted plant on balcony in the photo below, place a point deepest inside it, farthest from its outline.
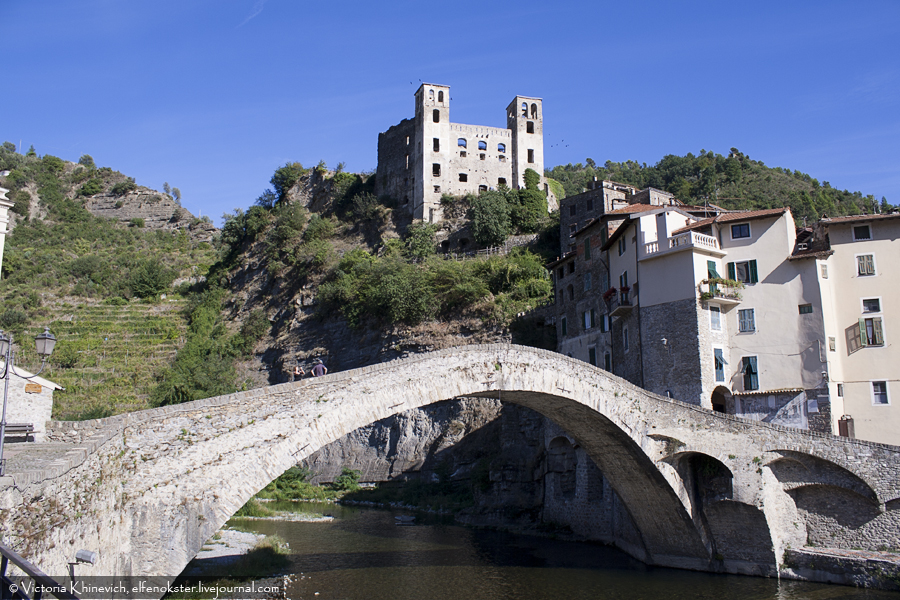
(728, 288)
(608, 294)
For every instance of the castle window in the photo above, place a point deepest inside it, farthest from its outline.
(482, 188)
(530, 155)
(436, 169)
(461, 142)
(501, 181)
(524, 109)
(482, 145)
(440, 96)
(529, 127)
(462, 153)
(481, 156)
(436, 115)
(502, 158)
(590, 204)
(501, 147)
(437, 144)
(407, 140)
(407, 161)
(534, 111)
(431, 95)
(463, 177)
(437, 189)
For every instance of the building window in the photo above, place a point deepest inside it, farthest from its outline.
(572, 229)
(573, 209)
(572, 267)
(604, 323)
(824, 271)
(481, 156)
(592, 356)
(431, 95)
(589, 319)
(587, 249)
(871, 305)
(865, 264)
(590, 204)
(587, 282)
(482, 145)
(437, 189)
(805, 309)
(463, 177)
(461, 142)
(530, 155)
(462, 153)
(440, 96)
(571, 292)
(715, 318)
(524, 109)
(436, 169)
(562, 272)
(840, 390)
(862, 232)
(622, 245)
(832, 344)
(744, 271)
(501, 148)
(482, 188)
(871, 332)
(741, 230)
(436, 145)
(751, 373)
(719, 357)
(501, 181)
(623, 280)
(747, 320)
(880, 393)
(534, 111)
(607, 361)
(565, 329)
(529, 127)
(625, 338)
(436, 116)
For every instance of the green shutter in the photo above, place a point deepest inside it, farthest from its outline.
(754, 277)
(593, 318)
(879, 332)
(587, 249)
(732, 274)
(711, 269)
(863, 336)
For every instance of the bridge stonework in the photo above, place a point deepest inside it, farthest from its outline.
(705, 491)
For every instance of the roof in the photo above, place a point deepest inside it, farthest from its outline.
(767, 392)
(859, 218)
(622, 228)
(632, 208)
(734, 216)
(561, 259)
(40, 380)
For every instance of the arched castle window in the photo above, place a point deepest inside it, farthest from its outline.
(431, 95)
(524, 109)
(534, 111)
(436, 115)
(501, 147)
(441, 97)
(482, 145)
(461, 142)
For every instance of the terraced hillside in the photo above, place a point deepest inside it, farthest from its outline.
(108, 356)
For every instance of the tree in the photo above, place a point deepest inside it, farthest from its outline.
(87, 160)
(9, 146)
(31, 151)
(285, 178)
(420, 239)
(590, 162)
(490, 218)
(266, 199)
(177, 194)
(150, 278)
(532, 179)
(167, 188)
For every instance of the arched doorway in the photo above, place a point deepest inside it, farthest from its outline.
(721, 398)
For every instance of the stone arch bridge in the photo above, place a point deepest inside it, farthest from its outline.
(704, 490)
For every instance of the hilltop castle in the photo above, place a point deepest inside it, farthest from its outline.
(421, 159)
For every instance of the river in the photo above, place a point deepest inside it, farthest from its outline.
(363, 555)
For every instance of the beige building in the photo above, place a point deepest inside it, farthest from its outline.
(5, 205)
(423, 158)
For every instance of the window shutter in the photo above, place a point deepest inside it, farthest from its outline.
(863, 336)
(593, 318)
(732, 274)
(754, 374)
(754, 277)
(564, 328)
(861, 265)
(870, 264)
(711, 268)
(879, 332)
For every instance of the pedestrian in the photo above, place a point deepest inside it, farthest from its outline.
(319, 369)
(298, 373)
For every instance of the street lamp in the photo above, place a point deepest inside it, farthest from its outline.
(44, 343)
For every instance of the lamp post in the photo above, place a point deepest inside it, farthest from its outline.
(44, 343)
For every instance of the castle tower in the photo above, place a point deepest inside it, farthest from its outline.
(432, 150)
(525, 118)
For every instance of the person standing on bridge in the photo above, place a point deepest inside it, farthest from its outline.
(319, 369)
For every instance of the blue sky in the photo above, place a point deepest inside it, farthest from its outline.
(213, 95)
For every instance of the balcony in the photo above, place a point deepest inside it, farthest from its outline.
(618, 303)
(725, 292)
(690, 240)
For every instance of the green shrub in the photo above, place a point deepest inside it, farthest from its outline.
(87, 160)
(123, 187)
(53, 164)
(136, 222)
(420, 240)
(92, 187)
(348, 480)
(490, 215)
(21, 203)
(13, 319)
(287, 177)
(150, 278)
(318, 229)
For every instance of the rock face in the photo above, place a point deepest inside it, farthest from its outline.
(157, 210)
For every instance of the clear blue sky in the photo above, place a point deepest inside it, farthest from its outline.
(214, 95)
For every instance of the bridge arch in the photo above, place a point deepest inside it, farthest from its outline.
(179, 472)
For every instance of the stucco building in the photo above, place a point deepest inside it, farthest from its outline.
(423, 158)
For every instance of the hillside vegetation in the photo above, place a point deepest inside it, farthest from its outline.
(97, 283)
(732, 182)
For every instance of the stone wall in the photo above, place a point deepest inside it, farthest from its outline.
(671, 366)
(28, 406)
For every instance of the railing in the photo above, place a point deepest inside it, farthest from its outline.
(618, 303)
(721, 289)
(42, 583)
(689, 239)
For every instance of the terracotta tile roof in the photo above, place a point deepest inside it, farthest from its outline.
(561, 259)
(859, 218)
(733, 216)
(631, 209)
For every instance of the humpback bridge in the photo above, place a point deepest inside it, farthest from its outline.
(704, 490)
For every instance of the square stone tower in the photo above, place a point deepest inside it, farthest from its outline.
(423, 158)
